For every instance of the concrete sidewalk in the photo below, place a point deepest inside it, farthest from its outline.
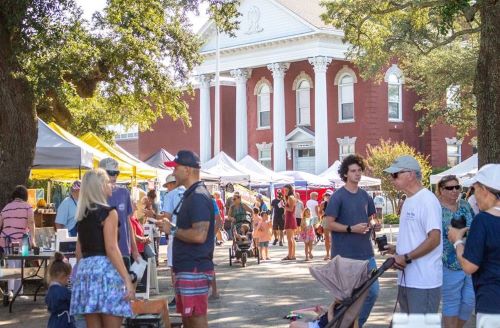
(254, 296)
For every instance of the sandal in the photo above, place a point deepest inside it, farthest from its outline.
(326, 258)
(286, 258)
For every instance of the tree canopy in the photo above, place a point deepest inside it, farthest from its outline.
(381, 156)
(439, 45)
(129, 65)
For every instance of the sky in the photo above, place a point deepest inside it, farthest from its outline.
(91, 6)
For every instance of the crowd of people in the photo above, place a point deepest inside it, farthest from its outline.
(446, 253)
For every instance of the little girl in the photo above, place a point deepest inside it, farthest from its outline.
(307, 234)
(58, 296)
(263, 231)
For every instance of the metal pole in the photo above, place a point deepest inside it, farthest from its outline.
(217, 127)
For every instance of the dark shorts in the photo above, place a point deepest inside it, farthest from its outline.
(279, 224)
(263, 244)
(299, 221)
(191, 292)
(416, 300)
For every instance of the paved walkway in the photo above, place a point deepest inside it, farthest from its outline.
(255, 296)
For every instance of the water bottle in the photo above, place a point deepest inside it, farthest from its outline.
(25, 249)
(53, 243)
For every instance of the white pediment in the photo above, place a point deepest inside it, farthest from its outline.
(260, 20)
(300, 134)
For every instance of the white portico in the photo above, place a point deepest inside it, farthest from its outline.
(273, 34)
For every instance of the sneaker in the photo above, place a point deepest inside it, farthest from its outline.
(172, 303)
(281, 243)
(275, 242)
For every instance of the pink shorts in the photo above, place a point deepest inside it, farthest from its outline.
(191, 292)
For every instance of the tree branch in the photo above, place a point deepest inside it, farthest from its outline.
(453, 37)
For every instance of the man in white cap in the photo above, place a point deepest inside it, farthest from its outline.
(419, 247)
(65, 218)
(120, 199)
(171, 200)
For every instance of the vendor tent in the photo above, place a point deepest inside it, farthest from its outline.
(159, 158)
(68, 175)
(463, 170)
(332, 174)
(140, 170)
(228, 170)
(54, 151)
(252, 165)
(308, 180)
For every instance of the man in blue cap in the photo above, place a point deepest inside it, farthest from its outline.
(194, 241)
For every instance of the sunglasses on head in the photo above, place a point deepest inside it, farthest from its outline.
(113, 173)
(395, 175)
(456, 187)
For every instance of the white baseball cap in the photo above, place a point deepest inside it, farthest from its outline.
(488, 175)
(405, 162)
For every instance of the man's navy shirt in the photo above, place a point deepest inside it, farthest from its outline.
(197, 206)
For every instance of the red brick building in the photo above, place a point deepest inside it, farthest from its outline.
(289, 98)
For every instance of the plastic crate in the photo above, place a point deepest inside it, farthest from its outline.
(144, 321)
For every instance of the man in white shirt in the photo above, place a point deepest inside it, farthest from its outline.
(172, 201)
(419, 247)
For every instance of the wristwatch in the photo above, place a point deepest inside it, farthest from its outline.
(407, 259)
(349, 230)
(173, 230)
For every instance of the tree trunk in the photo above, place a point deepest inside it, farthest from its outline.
(18, 123)
(487, 85)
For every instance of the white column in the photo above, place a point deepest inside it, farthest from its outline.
(320, 112)
(205, 125)
(241, 76)
(279, 128)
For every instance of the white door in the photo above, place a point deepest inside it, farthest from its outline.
(304, 160)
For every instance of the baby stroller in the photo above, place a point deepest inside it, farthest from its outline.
(243, 248)
(349, 282)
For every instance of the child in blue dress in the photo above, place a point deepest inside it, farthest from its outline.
(58, 296)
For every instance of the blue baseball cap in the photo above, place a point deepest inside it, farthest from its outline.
(185, 158)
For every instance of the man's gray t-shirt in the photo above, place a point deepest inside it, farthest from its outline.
(350, 209)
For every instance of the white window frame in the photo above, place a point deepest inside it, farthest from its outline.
(306, 92)
(452, 97)
(458, 155)
(351, 146)
(340, 86)
(259, 111)
(264, 147)
(395, 71)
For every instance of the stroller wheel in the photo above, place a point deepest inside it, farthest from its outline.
(243, 259)
(230, 257)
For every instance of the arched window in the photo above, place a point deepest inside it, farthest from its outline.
(303, 103)
(395, 81)
(346, 98)
(264, 107)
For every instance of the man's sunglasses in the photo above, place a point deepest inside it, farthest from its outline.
(450, 188)
(395, 175)
(112, 173)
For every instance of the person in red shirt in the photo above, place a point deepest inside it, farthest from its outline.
(138, 230)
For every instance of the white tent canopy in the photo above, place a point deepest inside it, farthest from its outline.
(332, 174)
(304, 179)
(228, 170)
(252, 165)
(54, 151)
(463, 170)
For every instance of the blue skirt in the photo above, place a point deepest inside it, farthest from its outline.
(99, 288)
